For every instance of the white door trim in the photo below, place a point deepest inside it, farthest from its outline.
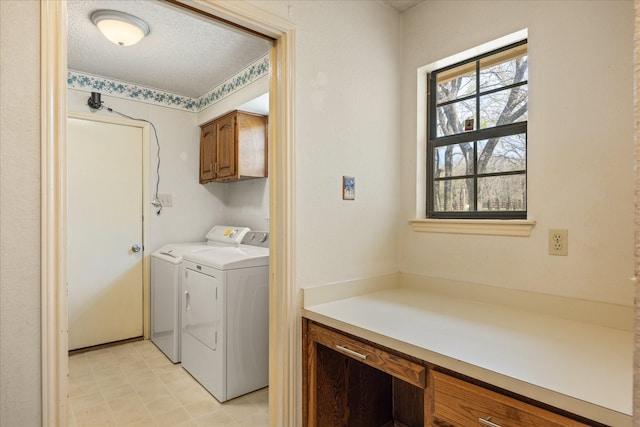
(146, 202)
(53, 98)
(284, 323)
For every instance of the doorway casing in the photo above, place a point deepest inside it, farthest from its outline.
(284, 364)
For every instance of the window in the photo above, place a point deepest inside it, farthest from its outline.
(477, 137)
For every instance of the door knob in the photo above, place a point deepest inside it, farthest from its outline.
(136, 248)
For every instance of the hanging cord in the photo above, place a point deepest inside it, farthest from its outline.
(155, 202)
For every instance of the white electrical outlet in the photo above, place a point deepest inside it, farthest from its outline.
(558, 241)
(166, 200)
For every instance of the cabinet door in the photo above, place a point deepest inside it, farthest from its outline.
(226, 148)
(207, 153)
(252, 148)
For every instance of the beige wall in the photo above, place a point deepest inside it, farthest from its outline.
(347, 117)
(347, 123)
(20, 403)
(196, 208)
(580, 145)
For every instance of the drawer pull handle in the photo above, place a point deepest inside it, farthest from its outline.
(351, 352)
(487, 422)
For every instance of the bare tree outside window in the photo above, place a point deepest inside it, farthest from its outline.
(478, 137)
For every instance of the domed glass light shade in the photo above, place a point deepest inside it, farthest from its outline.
(119, 27)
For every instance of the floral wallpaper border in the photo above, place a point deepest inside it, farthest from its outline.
(120, 89)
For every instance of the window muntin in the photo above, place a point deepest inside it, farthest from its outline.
(477, 137)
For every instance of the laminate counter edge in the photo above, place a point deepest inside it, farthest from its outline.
(532, 354)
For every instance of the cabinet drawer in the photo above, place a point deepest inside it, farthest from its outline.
(464, 404)
(389, 363)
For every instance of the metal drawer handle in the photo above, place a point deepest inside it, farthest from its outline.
(487, 422)
(351, 352)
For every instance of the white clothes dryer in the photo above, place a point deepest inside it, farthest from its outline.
(166, 291)
(225, 317)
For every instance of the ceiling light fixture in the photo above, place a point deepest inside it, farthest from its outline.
(119, 27)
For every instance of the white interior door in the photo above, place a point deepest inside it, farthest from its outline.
(105, 202)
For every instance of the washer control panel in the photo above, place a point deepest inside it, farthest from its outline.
(256, 238)
(227, 234)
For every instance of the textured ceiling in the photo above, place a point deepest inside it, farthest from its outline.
(184, 54)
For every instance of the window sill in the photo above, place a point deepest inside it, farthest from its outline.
(518, 228)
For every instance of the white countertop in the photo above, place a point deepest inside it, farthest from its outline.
(581, 367)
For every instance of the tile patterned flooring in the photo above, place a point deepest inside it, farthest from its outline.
(135, 384)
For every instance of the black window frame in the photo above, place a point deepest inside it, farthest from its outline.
(472, 136)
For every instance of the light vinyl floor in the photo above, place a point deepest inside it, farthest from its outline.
(135, 384)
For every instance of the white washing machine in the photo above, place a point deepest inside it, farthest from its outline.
(166, 291)
(225, 317)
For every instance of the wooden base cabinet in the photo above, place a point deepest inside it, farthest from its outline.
(348, 381)
(233, 147)
(460, 403)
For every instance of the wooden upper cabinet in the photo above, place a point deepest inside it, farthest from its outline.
(234, 147)
(226, 147)
(207, 152)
